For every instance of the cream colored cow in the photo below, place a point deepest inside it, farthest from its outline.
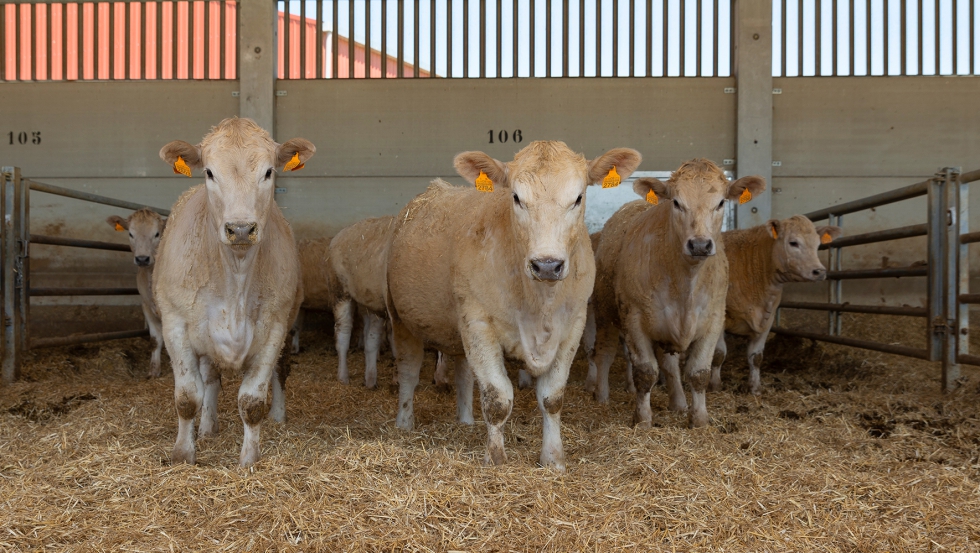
(760, 260)
(502, 273)
(662, 279)
(227, 281)
(145, 228)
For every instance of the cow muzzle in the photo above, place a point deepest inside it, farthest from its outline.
(699, 247)
(241, 235)
(142, 260)
(819, 274)
(547, 269)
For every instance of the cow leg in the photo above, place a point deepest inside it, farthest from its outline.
(343, 317)
(156, 333)
(297, 327)
(441, 375)
(374, 327)
(211, 375)
(524, 380)
(606, 342)
(588, 342)
(253, 393)
(279, 376)
(644, 375)
(630, 385)
(409, 355)
(188, 392)
(550, 392)
(496, 401)
(697, 370)
(464, 389)
(670, 362)
(756, 346)
(721, 351)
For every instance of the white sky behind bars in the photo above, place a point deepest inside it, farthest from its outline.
(793, 12)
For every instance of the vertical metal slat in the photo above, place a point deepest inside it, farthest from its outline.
(547, 37)
(715, 45)
(564, 40)
(466, 39)
(886, 50)
(682, 28)
(833, 46)
(598, 38)
(449, 39)
(222, 45)
(799, 38)
(401, 39)
(952, 23)
(867, 17)
(782, 37)
(817, 38)
(432, 39)
(614, 42)
(531, 46)
(852, 45)
(351, 52)
(302, 40)
(515, 38)
(483, 38)
(665, 36)
(143, 50)
(335, 39)
(319, 40)
(287, 66)
(127, 40)
(80, 38)
(416, 56)
(581, 38)
(3, 42)
(697, 40)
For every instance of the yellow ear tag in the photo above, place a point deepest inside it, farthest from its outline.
(652, 197)
(294, 164)
(773, 231)
(826, 238)
(611, 180)
(746, 196)
(483, 183)
(119, 227)
(181, 168)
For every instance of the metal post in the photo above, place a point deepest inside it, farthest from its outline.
(936, 326)
(257, 22)
(835, 290)
(963, 268)
(951, 278)
(13, 245)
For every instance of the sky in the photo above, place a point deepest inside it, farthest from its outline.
(606, 9)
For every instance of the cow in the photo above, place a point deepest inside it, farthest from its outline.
(503, 270)
(319, 281)
(760, 260)
(227, 281)
(662, 279)
(357, 258)
(145, 227)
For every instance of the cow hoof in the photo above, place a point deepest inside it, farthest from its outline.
(631, 389)
(181, 455)
(205, 432)
(443, 387)
(698, 420)
(495, 456)
(590, 386)
(555, 464)
(601, 398)
(405, 422)
(714, 386)
(756, 391)
(643, 424)
(295, 350)
(524, 381)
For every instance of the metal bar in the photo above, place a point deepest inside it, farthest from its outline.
(968, 359)
(971, 299)
(50, 292)
(302, 40)
(3, 41)
(697, 40)
(547, 37)
(581, 37)
(666, 35)
(18, 32)
(962, 323)
(885, 50)
(833, 37)
(416, 55)
(449, 39)
(32, 42)
(632, 41)
(892, 196)
(514, 12)
(783, 40)
(953, 25)
(969, 237)
(903, 62)
(368, 52)
(432, 39)
(847, 308)
(127, 12)
(12, 274)
(531, 46)
(952, 284)
(143, 49)
(87, 338)
(287, 66)
(936, 38)
(351, 51)
(867, 17)
(564, 41)
(400, 72)
(335, 39)
(88, 197)
(833, 290)
(683, 42)
(598, 38)
(78, 243)
(799, 38)
(935, 301)
(973, 62)
(817, 37)
(852, 274)
(23, 237)
(879, 236)
(483, 38)
(614, 42)
(319, 39)
(920, 60)
(852, 342)
(80, 39)
(173, 42)
(852, 45)
(192, 25)
(466, 38)
(48, 47)
(715, 45)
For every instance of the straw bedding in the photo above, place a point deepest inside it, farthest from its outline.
(844, 451)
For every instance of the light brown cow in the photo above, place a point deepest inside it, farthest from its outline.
(319, 281)
(662, 278)
(357, 256)
(145, 227)
(228, 279)
(760, 260)
(505, 273)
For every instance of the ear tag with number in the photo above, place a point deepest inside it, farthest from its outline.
(611, 180)
(745, 197)
(294, 164)
(119, 227)
(826, 238)
(483, 183)
(652, 197)
(181, 168)
(773, 231)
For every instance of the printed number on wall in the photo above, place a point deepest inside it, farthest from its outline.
(22, 137)
(503, 136)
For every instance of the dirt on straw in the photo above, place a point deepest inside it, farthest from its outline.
(845, 450)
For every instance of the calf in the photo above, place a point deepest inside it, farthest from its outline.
(501, 271)
(319, 281)
(760, 260)
(228, 279)
(662, 278)
(145, 227)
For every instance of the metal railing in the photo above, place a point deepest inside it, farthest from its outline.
(343, 39)
(946, 271)
(133, 40)
(880, 37)
(15, 279)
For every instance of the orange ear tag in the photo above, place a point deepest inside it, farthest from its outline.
(745, 197)
(611, 180)
(773, 231)
(181, 168)
(294, 164)
(826, 238)
(483, 183)
(652, 197)
(119, 227)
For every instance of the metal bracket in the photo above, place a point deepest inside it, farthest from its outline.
(777, 91)
(728, 162)
(777, 164)
(729, 90)
(280, 93)
(281, 190)
(235, 94)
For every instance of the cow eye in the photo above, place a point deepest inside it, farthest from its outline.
(517, 201)
(209, 174)
(131, 235)
(721, 205)
(794, 243)
(677, 204)
(268, 174)
(157, 235)
(578, 201)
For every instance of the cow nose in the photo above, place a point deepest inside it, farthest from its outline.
(241, 234)
(819, 274)
(700, 247)
(142, 260)
(547, 268)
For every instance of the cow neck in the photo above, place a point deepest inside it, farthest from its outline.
(751, 265)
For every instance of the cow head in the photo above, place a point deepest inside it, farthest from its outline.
(145, 228)
(795, 251)
(696, 194)
(545, 187)
(239, 160)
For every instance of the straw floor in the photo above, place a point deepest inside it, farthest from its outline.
(844, 451)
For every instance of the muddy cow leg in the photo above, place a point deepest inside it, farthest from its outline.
(343, 317)
(252, 395)
(721, 351)
(374, 327)
(408, 362)
(464, 389)
(188, 391)
(211, 376)
(756, 347)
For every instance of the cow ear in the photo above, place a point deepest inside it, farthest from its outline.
(292, 154)
(829, 233)
(746, 188)
(163, 224)
(470, 166)
(183, 157)
(619, 162)
(118, 223)
(774, 228)
(652, 190)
